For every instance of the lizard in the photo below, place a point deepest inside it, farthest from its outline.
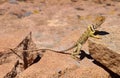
(91, 29)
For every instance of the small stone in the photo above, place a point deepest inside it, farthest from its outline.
(74, 0)
(27, 14)
(13, 1)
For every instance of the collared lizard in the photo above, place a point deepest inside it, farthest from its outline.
(91, 29)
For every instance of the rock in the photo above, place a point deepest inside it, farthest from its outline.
(86, 70)
(74, 0)
(105, 56)
(27, 14)
(107, 50)
(116, 0)
(56, 26)
(7, 61)
(6, 68)
(13, 1)
(52, 65)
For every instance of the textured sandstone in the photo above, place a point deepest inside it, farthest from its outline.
(107, 50)
(105, 56)
(54, 23)
(54, 65)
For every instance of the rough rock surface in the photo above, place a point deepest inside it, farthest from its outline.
(54, 65)
(54, 24)
(107, 50)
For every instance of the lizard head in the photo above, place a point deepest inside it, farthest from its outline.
(98, 21)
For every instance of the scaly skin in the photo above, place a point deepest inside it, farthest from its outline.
(88, 33)
(91, 29)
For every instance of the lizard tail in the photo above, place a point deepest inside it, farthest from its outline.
(44, 49)
(57, 51)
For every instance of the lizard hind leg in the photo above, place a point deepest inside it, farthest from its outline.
(76, 52)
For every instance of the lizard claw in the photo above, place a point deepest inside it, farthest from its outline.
(98, 37)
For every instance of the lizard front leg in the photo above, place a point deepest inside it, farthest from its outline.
(92, 33)
(95, 36)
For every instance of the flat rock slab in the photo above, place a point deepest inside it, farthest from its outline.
(52, 65)
(87, 69)
(107, 50)
(55, 65)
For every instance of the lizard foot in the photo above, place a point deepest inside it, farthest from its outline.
(76, 57)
